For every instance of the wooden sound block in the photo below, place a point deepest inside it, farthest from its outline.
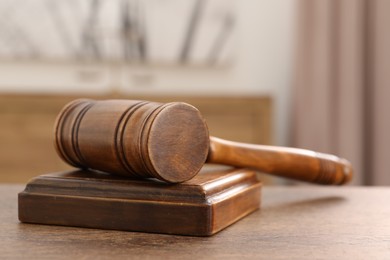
(211, 201)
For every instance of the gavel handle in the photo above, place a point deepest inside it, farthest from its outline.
(293, 163)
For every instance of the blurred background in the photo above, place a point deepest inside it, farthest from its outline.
(305, 73)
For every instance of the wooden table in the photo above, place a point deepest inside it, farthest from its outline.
(293, 223)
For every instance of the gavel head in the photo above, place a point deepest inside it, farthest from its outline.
(133, 138)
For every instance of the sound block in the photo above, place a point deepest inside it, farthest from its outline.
(211, 201)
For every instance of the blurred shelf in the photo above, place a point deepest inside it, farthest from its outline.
(114, 63)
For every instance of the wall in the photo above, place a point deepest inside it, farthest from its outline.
(263, 65)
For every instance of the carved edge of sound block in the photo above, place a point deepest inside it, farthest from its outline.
(201, 207)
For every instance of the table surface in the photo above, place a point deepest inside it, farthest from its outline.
(308, 222)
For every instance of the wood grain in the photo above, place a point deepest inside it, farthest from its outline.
(294, 223)
(170, 141)
(211, 201)
(133, 138)
(287, 162)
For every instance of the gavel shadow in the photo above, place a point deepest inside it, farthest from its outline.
(300, 204)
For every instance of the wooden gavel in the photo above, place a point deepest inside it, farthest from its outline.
(171, 142)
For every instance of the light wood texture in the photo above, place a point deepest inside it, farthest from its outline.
(293, 223)
(208, 203)
(26, 130)
(292, 163)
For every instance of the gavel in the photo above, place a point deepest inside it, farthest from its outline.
(171, 142)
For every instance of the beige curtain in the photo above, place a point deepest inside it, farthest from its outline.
(341, 95)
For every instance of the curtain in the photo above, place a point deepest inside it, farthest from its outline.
(341, 92)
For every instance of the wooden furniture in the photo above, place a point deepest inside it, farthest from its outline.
(293, 223)
(206, 204)
(26, 131)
